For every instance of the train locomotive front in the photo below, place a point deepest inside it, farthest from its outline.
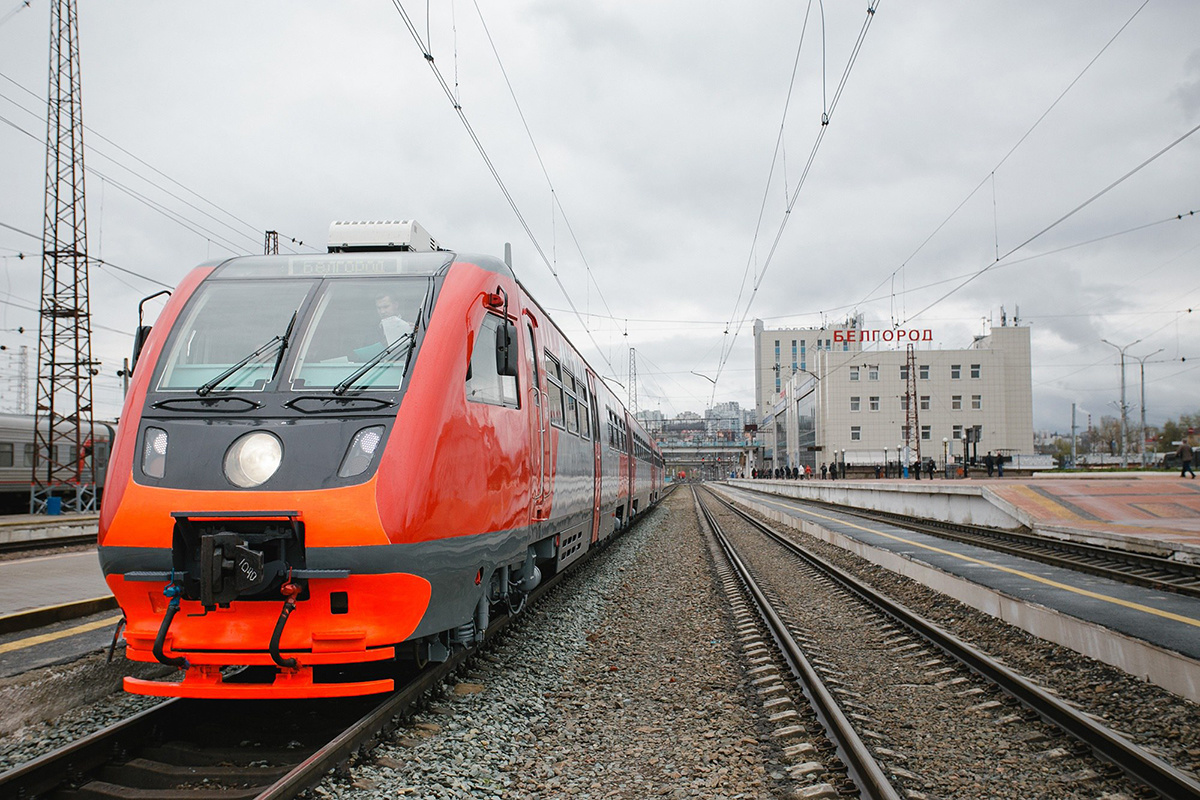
(328, 460)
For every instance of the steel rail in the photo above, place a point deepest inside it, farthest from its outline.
(33, 545)
(1106, 744)
(73, 762)
(1184, 577)
(861, 765)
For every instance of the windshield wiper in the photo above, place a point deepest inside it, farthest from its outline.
(280, 341)
(350, 380)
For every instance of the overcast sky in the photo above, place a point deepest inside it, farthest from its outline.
(657, 124)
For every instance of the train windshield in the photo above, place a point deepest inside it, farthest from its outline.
(227, 322)
(356, 323)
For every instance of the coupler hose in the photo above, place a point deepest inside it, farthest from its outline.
(290, 592)
(173, 591)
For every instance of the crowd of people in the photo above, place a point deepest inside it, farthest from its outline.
(834, 470)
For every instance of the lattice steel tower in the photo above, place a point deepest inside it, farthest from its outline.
(63, 434)
(912, 419)
(633, 398)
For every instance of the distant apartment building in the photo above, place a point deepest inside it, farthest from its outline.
(852, 404)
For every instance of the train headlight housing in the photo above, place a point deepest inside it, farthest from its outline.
(361, 452)
(154, 452)
(253, 459)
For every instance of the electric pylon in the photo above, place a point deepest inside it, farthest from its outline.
(633, 399)
(912, 436)
(63, 431)
(271, 243)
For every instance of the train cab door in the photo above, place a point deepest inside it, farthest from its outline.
(597, 472)
(539, 432)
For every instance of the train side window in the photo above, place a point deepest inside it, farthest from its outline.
(570, 402)
(6, 454)
(554, 391)
(484, 382)
(28, 457)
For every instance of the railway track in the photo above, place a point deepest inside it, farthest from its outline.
(956, 680)
(185, 749)
(34, 545)
(1139, 569)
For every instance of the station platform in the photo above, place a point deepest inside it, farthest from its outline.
(18, 528)
(1152, 513)
(41, 581)
(1151, 634)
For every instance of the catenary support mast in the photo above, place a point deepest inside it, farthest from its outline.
(63, 433)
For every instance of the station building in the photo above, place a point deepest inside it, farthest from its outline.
(841, 402)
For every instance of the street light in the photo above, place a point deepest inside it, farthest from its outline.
(946, 455)
(1124, 409)
(1142, 374)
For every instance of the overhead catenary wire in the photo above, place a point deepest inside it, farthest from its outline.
(1062, 219)
(992, 172)
(826, 118)
(555, 200)
(458, 109)
(252, 232)
(780, 153)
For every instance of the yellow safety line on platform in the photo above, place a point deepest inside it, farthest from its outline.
(1029, 576)
(22, 644)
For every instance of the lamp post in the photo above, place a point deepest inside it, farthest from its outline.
(901, 467)
(946, 456)
(1142, 376)
(1124, 408)
(843, 462)
(885, 462)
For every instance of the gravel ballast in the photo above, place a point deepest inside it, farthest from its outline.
(626, 682)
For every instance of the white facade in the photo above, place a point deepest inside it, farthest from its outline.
(780, 353)
(854, 401)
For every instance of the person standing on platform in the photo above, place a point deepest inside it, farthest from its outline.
(1000, 465)
(823, 471)
(929, 468)
(1185, 454)
(990, 463)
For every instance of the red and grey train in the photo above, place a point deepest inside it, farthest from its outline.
(332, 459)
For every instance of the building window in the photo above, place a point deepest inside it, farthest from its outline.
(854, 403)
(975, 370)
(874, 403)
(955, 371)
(855, 433)
(976, 402)
(956, 402)
(854, 373)
(923, 374)
(924, 402)
(926, 432)
(904, 372)
(957, 432)
(904, 402)
(872, 373)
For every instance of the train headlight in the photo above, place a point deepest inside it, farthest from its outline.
(154, 452)
(252, 459)
(361, 452)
